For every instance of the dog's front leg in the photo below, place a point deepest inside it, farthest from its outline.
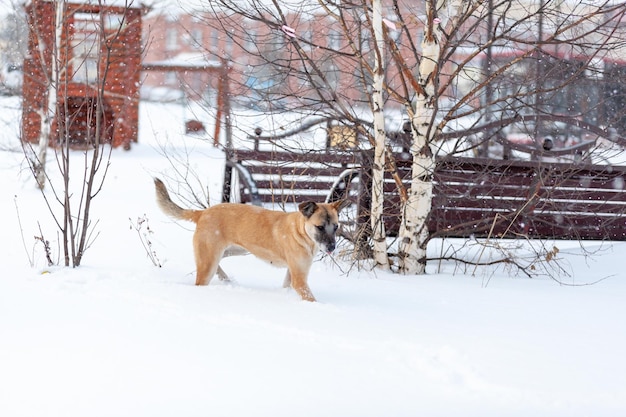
(299, 283)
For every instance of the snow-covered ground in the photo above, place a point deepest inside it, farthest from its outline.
(121, 337)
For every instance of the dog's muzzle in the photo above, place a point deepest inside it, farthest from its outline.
(330, 248)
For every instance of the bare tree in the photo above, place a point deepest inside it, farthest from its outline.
(468, 76)
(74, 131)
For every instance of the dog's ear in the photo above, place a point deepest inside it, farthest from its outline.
(340, 205)
(307, 208)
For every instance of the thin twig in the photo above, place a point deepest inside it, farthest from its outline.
(19, 222)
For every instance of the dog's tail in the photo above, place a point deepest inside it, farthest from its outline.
(172, 209)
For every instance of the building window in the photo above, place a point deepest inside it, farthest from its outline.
(334, 40)
(307, 39)
(251, 41)
(229, 47)
(85, 48)
(366, 40)
(332, 76)
(196, 38)
(114, 21)
(171, 39)
(215, 40)
(171, 78)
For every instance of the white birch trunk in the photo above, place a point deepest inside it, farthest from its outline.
(378, 167)
(414, 229)
(49, 110)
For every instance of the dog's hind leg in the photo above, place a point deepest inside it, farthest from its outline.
(287, 281)
(207, 261)
(222, 275)
(207, 268)
(230, 251)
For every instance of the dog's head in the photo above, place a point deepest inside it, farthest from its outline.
(322, 222)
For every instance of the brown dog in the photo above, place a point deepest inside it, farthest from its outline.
(283, 239)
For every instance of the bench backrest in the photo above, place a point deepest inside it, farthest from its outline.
(286, 177)
(511, 198)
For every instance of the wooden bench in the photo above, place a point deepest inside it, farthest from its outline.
(484, 197)
(471, 196)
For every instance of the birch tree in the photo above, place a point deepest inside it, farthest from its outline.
(379, 240)
(414, 228)
(49, 108)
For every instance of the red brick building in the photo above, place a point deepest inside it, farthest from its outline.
(211, 37)
(181, 53)
(100, 63)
